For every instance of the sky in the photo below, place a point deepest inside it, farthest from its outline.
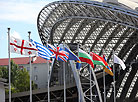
(21, 17)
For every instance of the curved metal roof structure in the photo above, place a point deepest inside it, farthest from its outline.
(101, 26)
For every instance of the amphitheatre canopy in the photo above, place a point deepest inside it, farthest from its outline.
(103, 26)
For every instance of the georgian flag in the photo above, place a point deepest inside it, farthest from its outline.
(22, 47)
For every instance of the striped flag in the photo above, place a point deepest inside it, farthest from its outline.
(43, 51)
(98, 60)
(85, 57)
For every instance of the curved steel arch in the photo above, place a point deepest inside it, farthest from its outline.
(95, 24)
(133, 54)
(129, 44)
(73, 21)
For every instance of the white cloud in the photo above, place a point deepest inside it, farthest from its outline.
(20, 10)
(136, 1)
(130, 3)
(16, 34)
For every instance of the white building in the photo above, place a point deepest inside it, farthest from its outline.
(2, 89)
(39, 69)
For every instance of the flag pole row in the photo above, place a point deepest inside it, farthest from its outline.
(32, 48)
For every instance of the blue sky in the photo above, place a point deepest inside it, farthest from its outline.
(21, 17)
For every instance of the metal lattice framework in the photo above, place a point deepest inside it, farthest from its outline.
(95, 25)
(98, 25)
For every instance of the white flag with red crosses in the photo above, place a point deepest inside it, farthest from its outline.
(22, 47)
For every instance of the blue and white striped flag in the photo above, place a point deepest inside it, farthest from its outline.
(43, 51)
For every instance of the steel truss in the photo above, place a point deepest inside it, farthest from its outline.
(95, 24)
(99, 25)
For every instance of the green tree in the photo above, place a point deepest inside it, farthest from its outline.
(20, 79)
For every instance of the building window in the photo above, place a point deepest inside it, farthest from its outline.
(35, 68)
(28, 68)
(35, 77)
(21, 67)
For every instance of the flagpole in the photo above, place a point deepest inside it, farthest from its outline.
(64, 75)
(104, 83)
(90, 78)
(9, 65)
(30, 72)
(48, 88)
(96, 83)
(79, 94)
(114, 77)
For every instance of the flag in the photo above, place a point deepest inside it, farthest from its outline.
(119, 61)
(98, 60)
(72, 56)
(58, 53)
(43, 51)
(107, 69)
(34, 59)
(22, 47)
(85, 57)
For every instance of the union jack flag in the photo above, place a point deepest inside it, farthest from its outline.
(59, 53)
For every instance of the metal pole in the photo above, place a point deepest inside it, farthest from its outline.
(104, 83)
(64, 75)
(79, 94)
(77, 80)
(30, 72)
(96, 83)
(114, 77)
(90, 78)
(48, 74)
(9, 65)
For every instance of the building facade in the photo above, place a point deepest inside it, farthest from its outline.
(39, 69)
(2, 89)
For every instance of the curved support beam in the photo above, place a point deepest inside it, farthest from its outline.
(103, 31)
(124, 35)
(53, 30)
(83, 24)
(70, 24)
(128, 45)
(43, 12)
(114, 32)
(91, 30)
(133, 54)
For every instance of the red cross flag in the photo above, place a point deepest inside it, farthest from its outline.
(22, 47)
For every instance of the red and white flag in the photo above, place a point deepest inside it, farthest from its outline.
(22, 47)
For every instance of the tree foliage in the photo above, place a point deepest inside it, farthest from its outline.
(20, 79)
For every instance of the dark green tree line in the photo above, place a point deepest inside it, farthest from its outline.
(20, 79)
